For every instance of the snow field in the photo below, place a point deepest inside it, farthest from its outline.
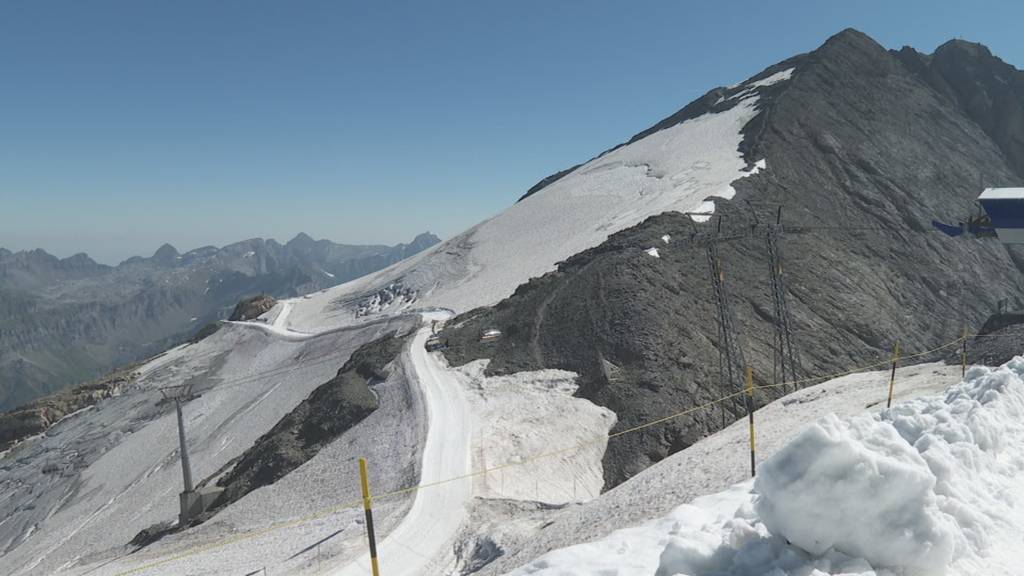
(679, 168)
(523, 415)
(929, 487)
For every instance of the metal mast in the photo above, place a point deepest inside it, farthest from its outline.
(730, 356)
(177, 394)
(786, 358)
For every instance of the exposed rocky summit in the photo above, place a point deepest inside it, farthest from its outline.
(863, 148)
(986, 89)
(252, 307)
(63, 321)
(38, 416)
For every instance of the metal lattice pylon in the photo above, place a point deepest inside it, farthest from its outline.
(730, 356)
(785, 360)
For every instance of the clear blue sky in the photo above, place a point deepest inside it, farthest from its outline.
(127, 124)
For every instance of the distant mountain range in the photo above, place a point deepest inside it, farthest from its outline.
(65, 320)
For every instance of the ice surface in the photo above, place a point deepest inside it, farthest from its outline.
(652, 251)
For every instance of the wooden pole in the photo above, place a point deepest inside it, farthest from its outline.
(892, 378)
(368, 507)
(750, 417)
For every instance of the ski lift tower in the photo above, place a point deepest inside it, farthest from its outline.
(192, 502)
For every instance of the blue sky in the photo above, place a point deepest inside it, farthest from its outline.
(127, 124)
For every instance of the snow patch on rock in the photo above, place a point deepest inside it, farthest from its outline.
(773, 79)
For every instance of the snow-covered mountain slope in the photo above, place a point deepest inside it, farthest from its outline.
(675, 168)
(74, 498)
(931, 486)
(860, 156)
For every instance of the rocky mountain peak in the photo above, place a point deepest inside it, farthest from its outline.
(80, 261)
(849, 37)
(856, 53)
(983, 87)
(972, 49)
(425, 239)
(165, 254)
(301, 240)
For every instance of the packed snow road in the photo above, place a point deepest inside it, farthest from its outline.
(437, 511)
(416, 545)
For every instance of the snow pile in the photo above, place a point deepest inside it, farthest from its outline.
(860, 488)
(928, 487)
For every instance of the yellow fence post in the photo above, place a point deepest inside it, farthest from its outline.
(750, 416)
(368, 507)
(963, 355)
(892, 378)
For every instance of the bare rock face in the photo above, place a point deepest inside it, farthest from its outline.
(38, 416)
(983, 87)
(862, 152)
(252, 308)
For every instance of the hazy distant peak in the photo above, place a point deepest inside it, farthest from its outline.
(424, 240)
(79, 259)
(166, 254)
(301, 239)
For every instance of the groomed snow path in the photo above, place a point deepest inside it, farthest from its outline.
(438, 512)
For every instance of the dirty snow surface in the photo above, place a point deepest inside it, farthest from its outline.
(931, 486)
(71, 500)
(528, 413)
(677, 168)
